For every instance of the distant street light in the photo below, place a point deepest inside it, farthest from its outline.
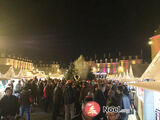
(150, 43)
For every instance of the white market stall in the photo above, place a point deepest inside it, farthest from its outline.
(150, 91)
(56, 76)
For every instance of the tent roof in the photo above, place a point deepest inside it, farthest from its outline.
(56, 75)
(46, 70)
(4, 68)
(4, 78)
(16, 71)
(128, 80)
(40, 75)
(152, 72)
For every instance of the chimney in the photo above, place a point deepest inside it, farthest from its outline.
(101, 61)
(130, 57)
(106, 60)
(116, 59)
(111, 60)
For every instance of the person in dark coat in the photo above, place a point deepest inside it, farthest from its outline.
(69, 101)
(25, 102)
(101, 99)
(57, 101)
(77, 93)
(34, 92)
(9, 106)
(84, 92)
(48, 97)
(82, 115)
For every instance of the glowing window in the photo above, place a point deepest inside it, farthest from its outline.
(108, 70)
(133, 62)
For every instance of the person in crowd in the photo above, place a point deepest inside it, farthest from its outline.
(101, 99)
(112, 116)
(57, 101)
(122, 101)
(84, 92)
(25, 102)
(109, 98)
(9, 106)
(40, 88)
(34, 91)
(125, 105)
(125, 90)
(82, 115)
(118, 97)
(69, 101)
(18, 88)
(48, 96)
(12, 84)
(76, 87)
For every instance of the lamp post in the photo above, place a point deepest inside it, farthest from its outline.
(150, 44)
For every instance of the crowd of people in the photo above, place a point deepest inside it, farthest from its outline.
(66, 98)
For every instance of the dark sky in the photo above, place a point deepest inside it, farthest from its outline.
(64, 29)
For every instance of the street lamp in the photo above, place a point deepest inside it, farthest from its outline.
(150, 42)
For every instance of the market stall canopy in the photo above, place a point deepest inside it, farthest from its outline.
(56, 75)
(153, 71)
(9, 74)
(46, 70)
(155, 86)
(135, 73)
(127, 80)
(4, 68)
(3, 79)
(40, 74)
(16, 71)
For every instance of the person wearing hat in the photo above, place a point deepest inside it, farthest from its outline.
(9, 104)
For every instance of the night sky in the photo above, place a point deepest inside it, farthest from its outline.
(64, 29)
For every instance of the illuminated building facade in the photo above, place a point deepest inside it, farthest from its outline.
(48, 68)
(16, 62)
(102, 68)
(155, 45)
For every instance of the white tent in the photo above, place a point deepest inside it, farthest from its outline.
(153, 71)
(9, 74)
(56, 76)
(131, 72)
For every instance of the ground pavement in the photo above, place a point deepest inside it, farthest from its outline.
(38, 114)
